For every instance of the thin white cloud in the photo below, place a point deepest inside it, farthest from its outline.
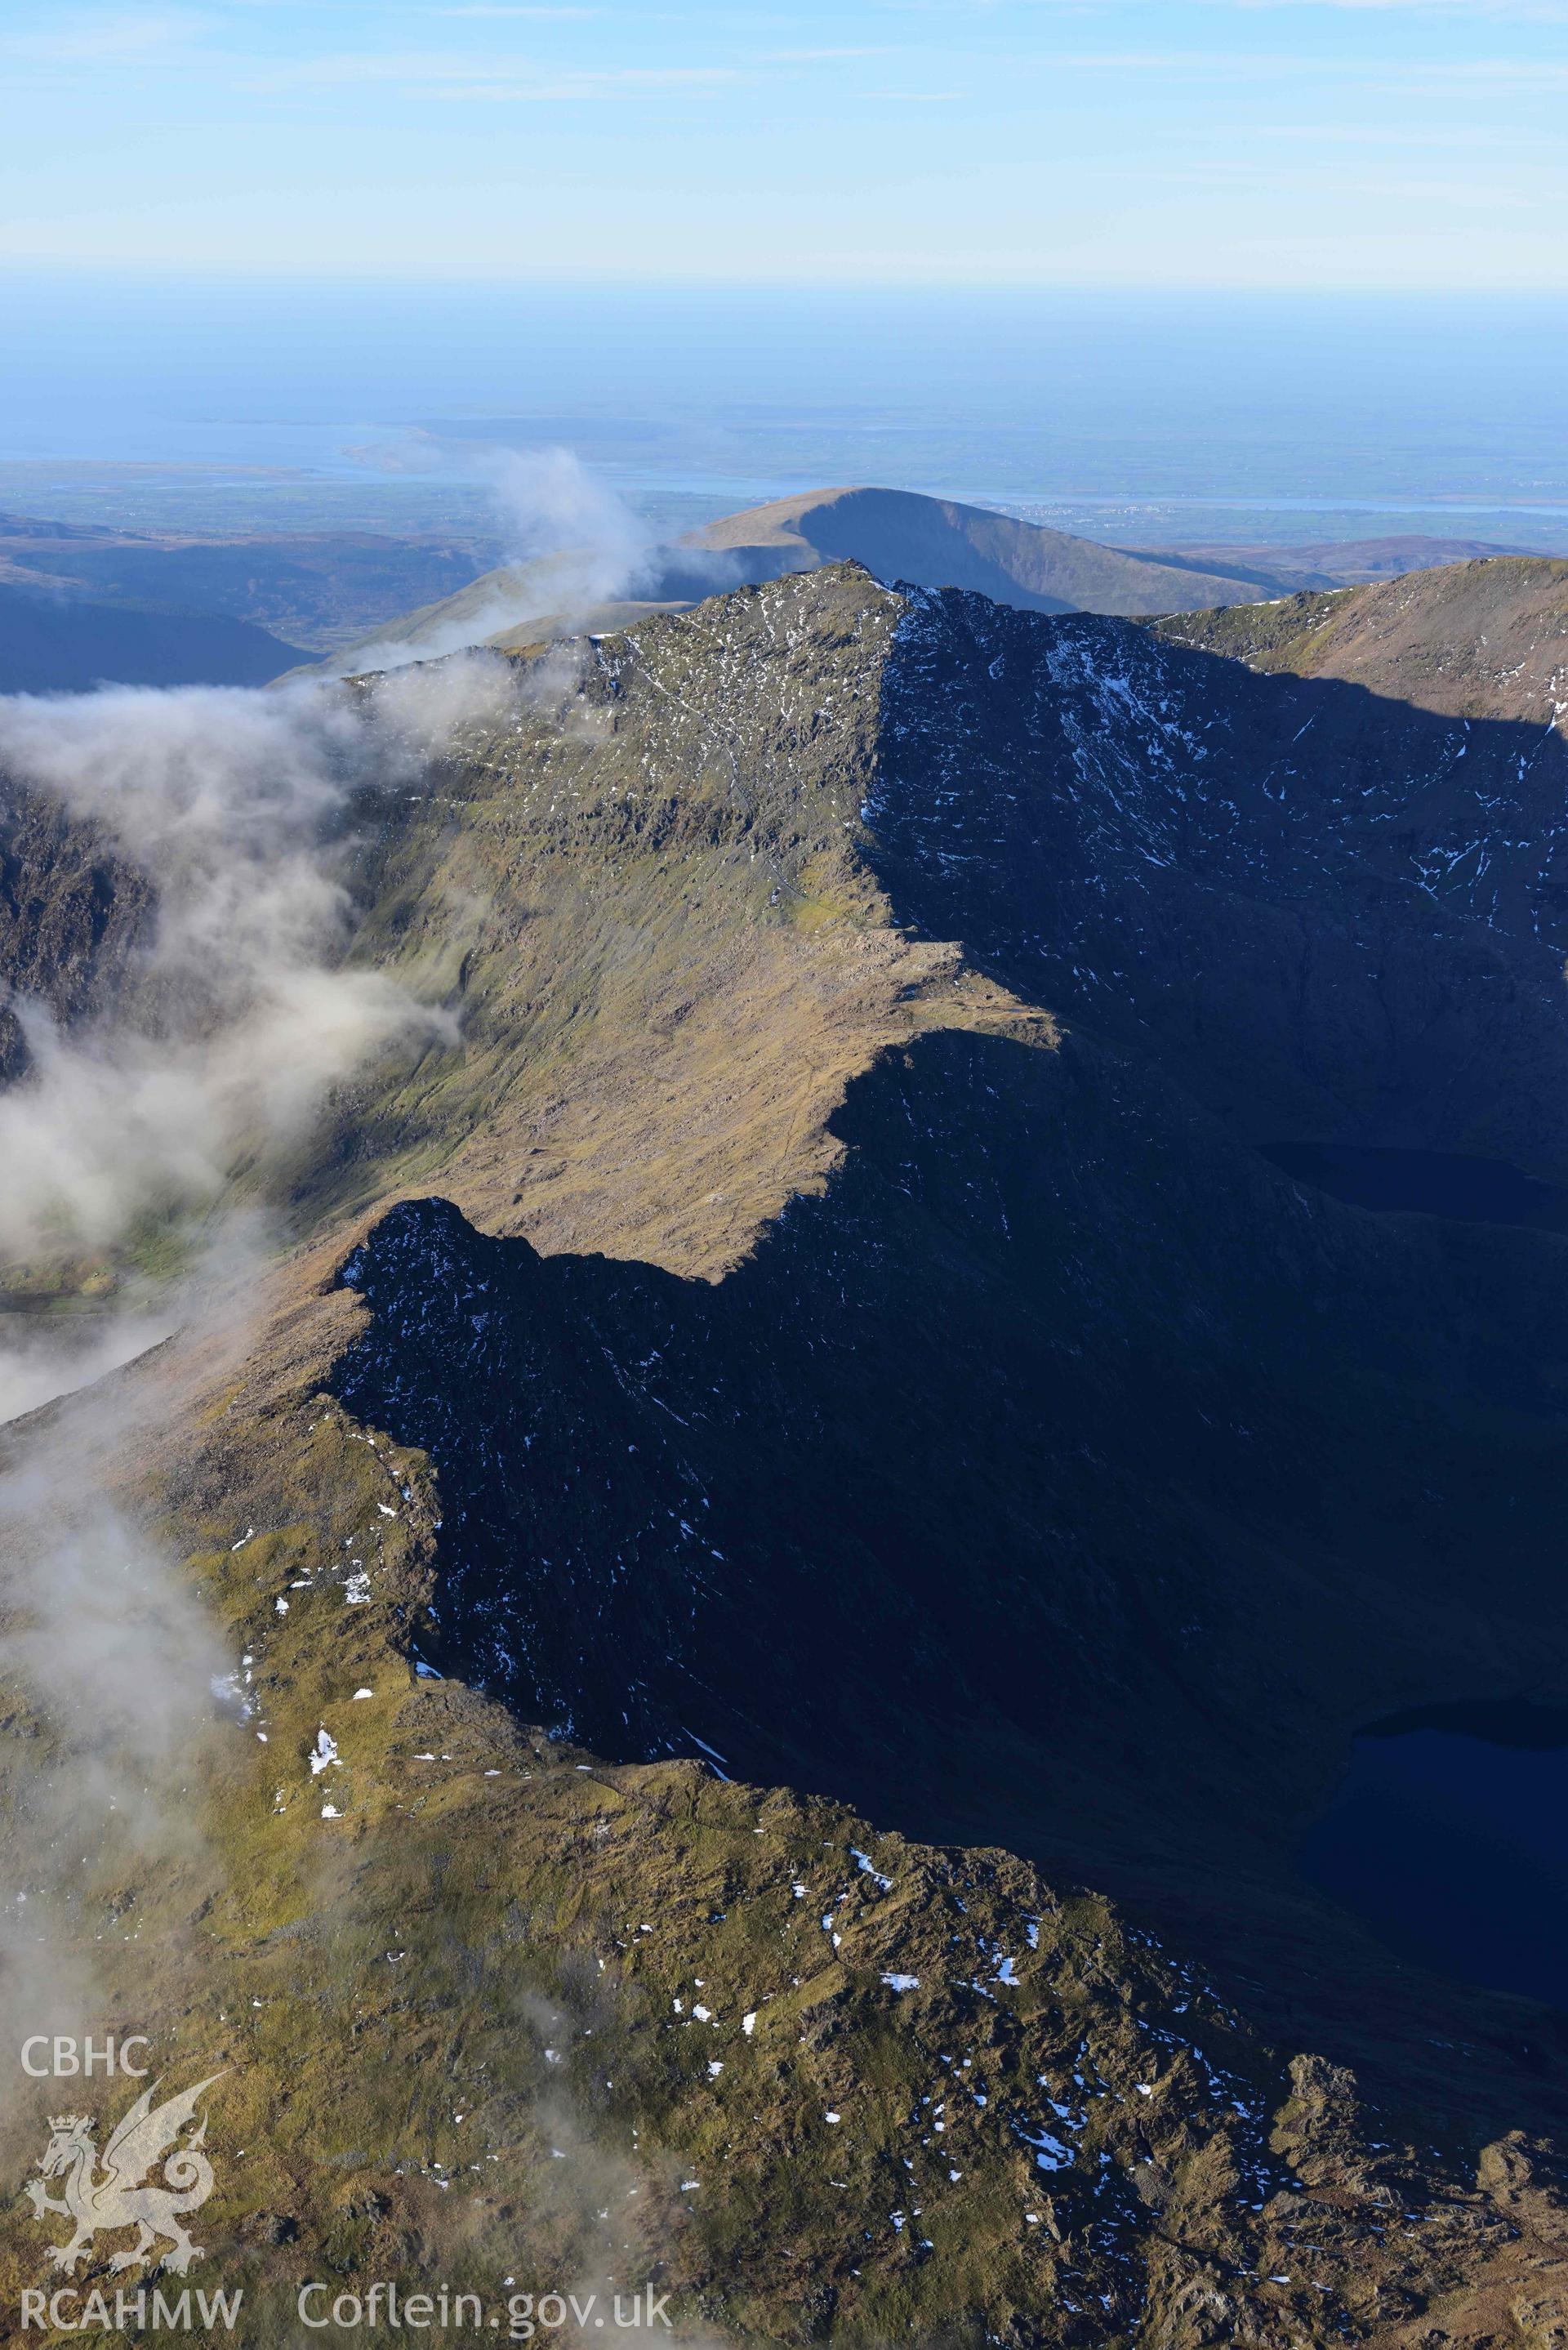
(89, 39)
(455, 74)
(821, 56)
(1529, 11)
(1374, 71)
(1446, 135)
(1266, 62)
(1541, 12)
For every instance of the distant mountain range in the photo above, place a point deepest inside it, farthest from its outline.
(55, 643)
(81, 606)
(1335, 562)
(245, 609)
(897, 535)
(938, 543)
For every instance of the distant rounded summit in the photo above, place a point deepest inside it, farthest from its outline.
(897, 535)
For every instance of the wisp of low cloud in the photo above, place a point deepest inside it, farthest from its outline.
(232, 1014)
(236, 1013)
(573, 546)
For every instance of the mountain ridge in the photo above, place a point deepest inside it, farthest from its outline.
(895, 533)
(1487, 639)
(940, 542)
(836, 1060)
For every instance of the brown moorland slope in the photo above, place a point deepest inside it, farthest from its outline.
(1479, 639)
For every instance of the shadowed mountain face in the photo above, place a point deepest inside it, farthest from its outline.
(1028, 1429)
(833, 1312)
(1063, 1435)
(1339, 914)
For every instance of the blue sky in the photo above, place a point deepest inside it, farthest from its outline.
(1281, 143)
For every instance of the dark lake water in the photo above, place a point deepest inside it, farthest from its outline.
(1435, 1183)
(1450, 1836)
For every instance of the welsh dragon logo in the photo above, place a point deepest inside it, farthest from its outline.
(120, 2194)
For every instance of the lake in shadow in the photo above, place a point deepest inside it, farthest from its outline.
(1449, 1838)
(1434, 1182)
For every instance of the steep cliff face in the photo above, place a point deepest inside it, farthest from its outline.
(1332, 912)
(1059, 1444)
(1057, 1418)
(1045, 1409)
(828, 1315)
(71, 914)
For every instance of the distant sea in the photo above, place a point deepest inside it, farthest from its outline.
(1158, 418)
